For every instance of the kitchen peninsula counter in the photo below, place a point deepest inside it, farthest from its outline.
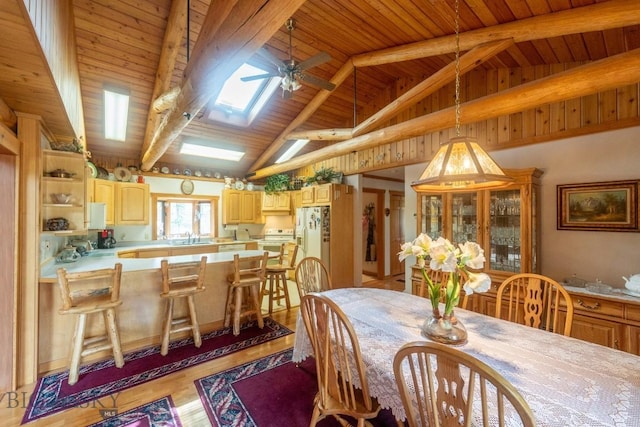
(141, 313)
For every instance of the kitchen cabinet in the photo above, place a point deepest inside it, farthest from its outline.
(320, 195)
(276, 203)
(241, 207)
(132, 203)
(127, 203)
(504, 222)
(73, 209)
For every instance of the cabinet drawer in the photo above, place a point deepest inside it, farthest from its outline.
(633, 312)
(596, 305)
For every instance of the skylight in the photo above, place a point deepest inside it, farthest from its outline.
(293, 150)
(239, 102)
(211, 152)
(116, 110)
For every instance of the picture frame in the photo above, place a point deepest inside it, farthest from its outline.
(600, 206)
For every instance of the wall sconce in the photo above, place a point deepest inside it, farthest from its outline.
(387, 211)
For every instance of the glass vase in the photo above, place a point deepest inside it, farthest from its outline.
(445, 329)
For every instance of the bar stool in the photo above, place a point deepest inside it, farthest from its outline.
(181, 280)
(86, 293)
(247, 278)
(276, 275)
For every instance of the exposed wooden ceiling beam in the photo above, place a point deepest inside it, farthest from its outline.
(232, 32)
(431, 84)
(176, 26)
(616, 71)
(322, 134)
(597, 17)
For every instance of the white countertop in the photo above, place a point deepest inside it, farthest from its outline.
(616, 293)
(108, 257)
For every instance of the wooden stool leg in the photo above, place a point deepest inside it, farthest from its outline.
(114, 336)
(195, 328)
(285, 290)
(76, 352)
(228, 312)
(271, 290)
(256, 303)
(237, 309)
(166, 327)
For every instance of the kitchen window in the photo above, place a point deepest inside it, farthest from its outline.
(176, 216)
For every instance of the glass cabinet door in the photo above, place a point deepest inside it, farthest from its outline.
(504, 230)
(464, 217)
(430, 216)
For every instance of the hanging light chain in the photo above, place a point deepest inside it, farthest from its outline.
(457, 23)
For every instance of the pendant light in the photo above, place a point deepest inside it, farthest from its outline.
(460, 164)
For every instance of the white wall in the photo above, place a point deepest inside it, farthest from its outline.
(607, 156)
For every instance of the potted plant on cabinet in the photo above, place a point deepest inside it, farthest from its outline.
(276, 183)
(324, 175)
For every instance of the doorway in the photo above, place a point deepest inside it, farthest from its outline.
(396, 231)
(373, 242)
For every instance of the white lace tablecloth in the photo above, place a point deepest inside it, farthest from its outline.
(567, 382)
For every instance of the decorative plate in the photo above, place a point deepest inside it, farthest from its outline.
(186, 172)
(164, 169)
(217, 175)
(176, 171)
(122, 174)
(94, 169)
(102, 173)
(239, 185)
(197, 173)
(207, 174)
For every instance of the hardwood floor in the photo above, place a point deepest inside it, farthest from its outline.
(179, 385)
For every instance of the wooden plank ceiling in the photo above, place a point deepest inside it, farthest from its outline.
(120, 43)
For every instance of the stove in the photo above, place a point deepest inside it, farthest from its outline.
(278, 234)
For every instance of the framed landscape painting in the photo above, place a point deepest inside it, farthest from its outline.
(601, 206)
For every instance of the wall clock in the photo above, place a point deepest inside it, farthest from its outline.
(187, 186)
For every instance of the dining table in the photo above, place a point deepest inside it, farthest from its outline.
(565, 381)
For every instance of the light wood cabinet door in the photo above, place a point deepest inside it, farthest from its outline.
(248, 207)
(132, 204)
(242, 207)
(231, 203)
(276, 202)
(307, 196)
(323, 193)
(105, 192)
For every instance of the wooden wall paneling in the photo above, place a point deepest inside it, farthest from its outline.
(590, 107)
(30, 133)
(607, 106)
(8, 271)
(627, 102)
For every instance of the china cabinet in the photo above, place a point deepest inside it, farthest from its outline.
(63, 196)
(504, 222)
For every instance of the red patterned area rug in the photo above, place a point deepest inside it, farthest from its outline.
(269, 392)
(160, 413)
(54, 394)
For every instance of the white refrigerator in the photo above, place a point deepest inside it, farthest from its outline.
(313, 233)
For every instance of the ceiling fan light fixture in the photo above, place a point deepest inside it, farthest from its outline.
(289, 83)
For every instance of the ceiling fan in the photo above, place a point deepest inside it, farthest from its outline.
(292, 71)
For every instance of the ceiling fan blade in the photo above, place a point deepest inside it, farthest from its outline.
(272, 58)
(316, 81)
(258, 77)
(318, 59)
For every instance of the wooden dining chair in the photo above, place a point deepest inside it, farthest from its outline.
(537, 301)
(343, 389)
(439, 384)
(312, 276)
(441, 277)
(91, 293)
(181, 281)
(243, 295)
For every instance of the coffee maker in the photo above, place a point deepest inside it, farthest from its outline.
(106, 239)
